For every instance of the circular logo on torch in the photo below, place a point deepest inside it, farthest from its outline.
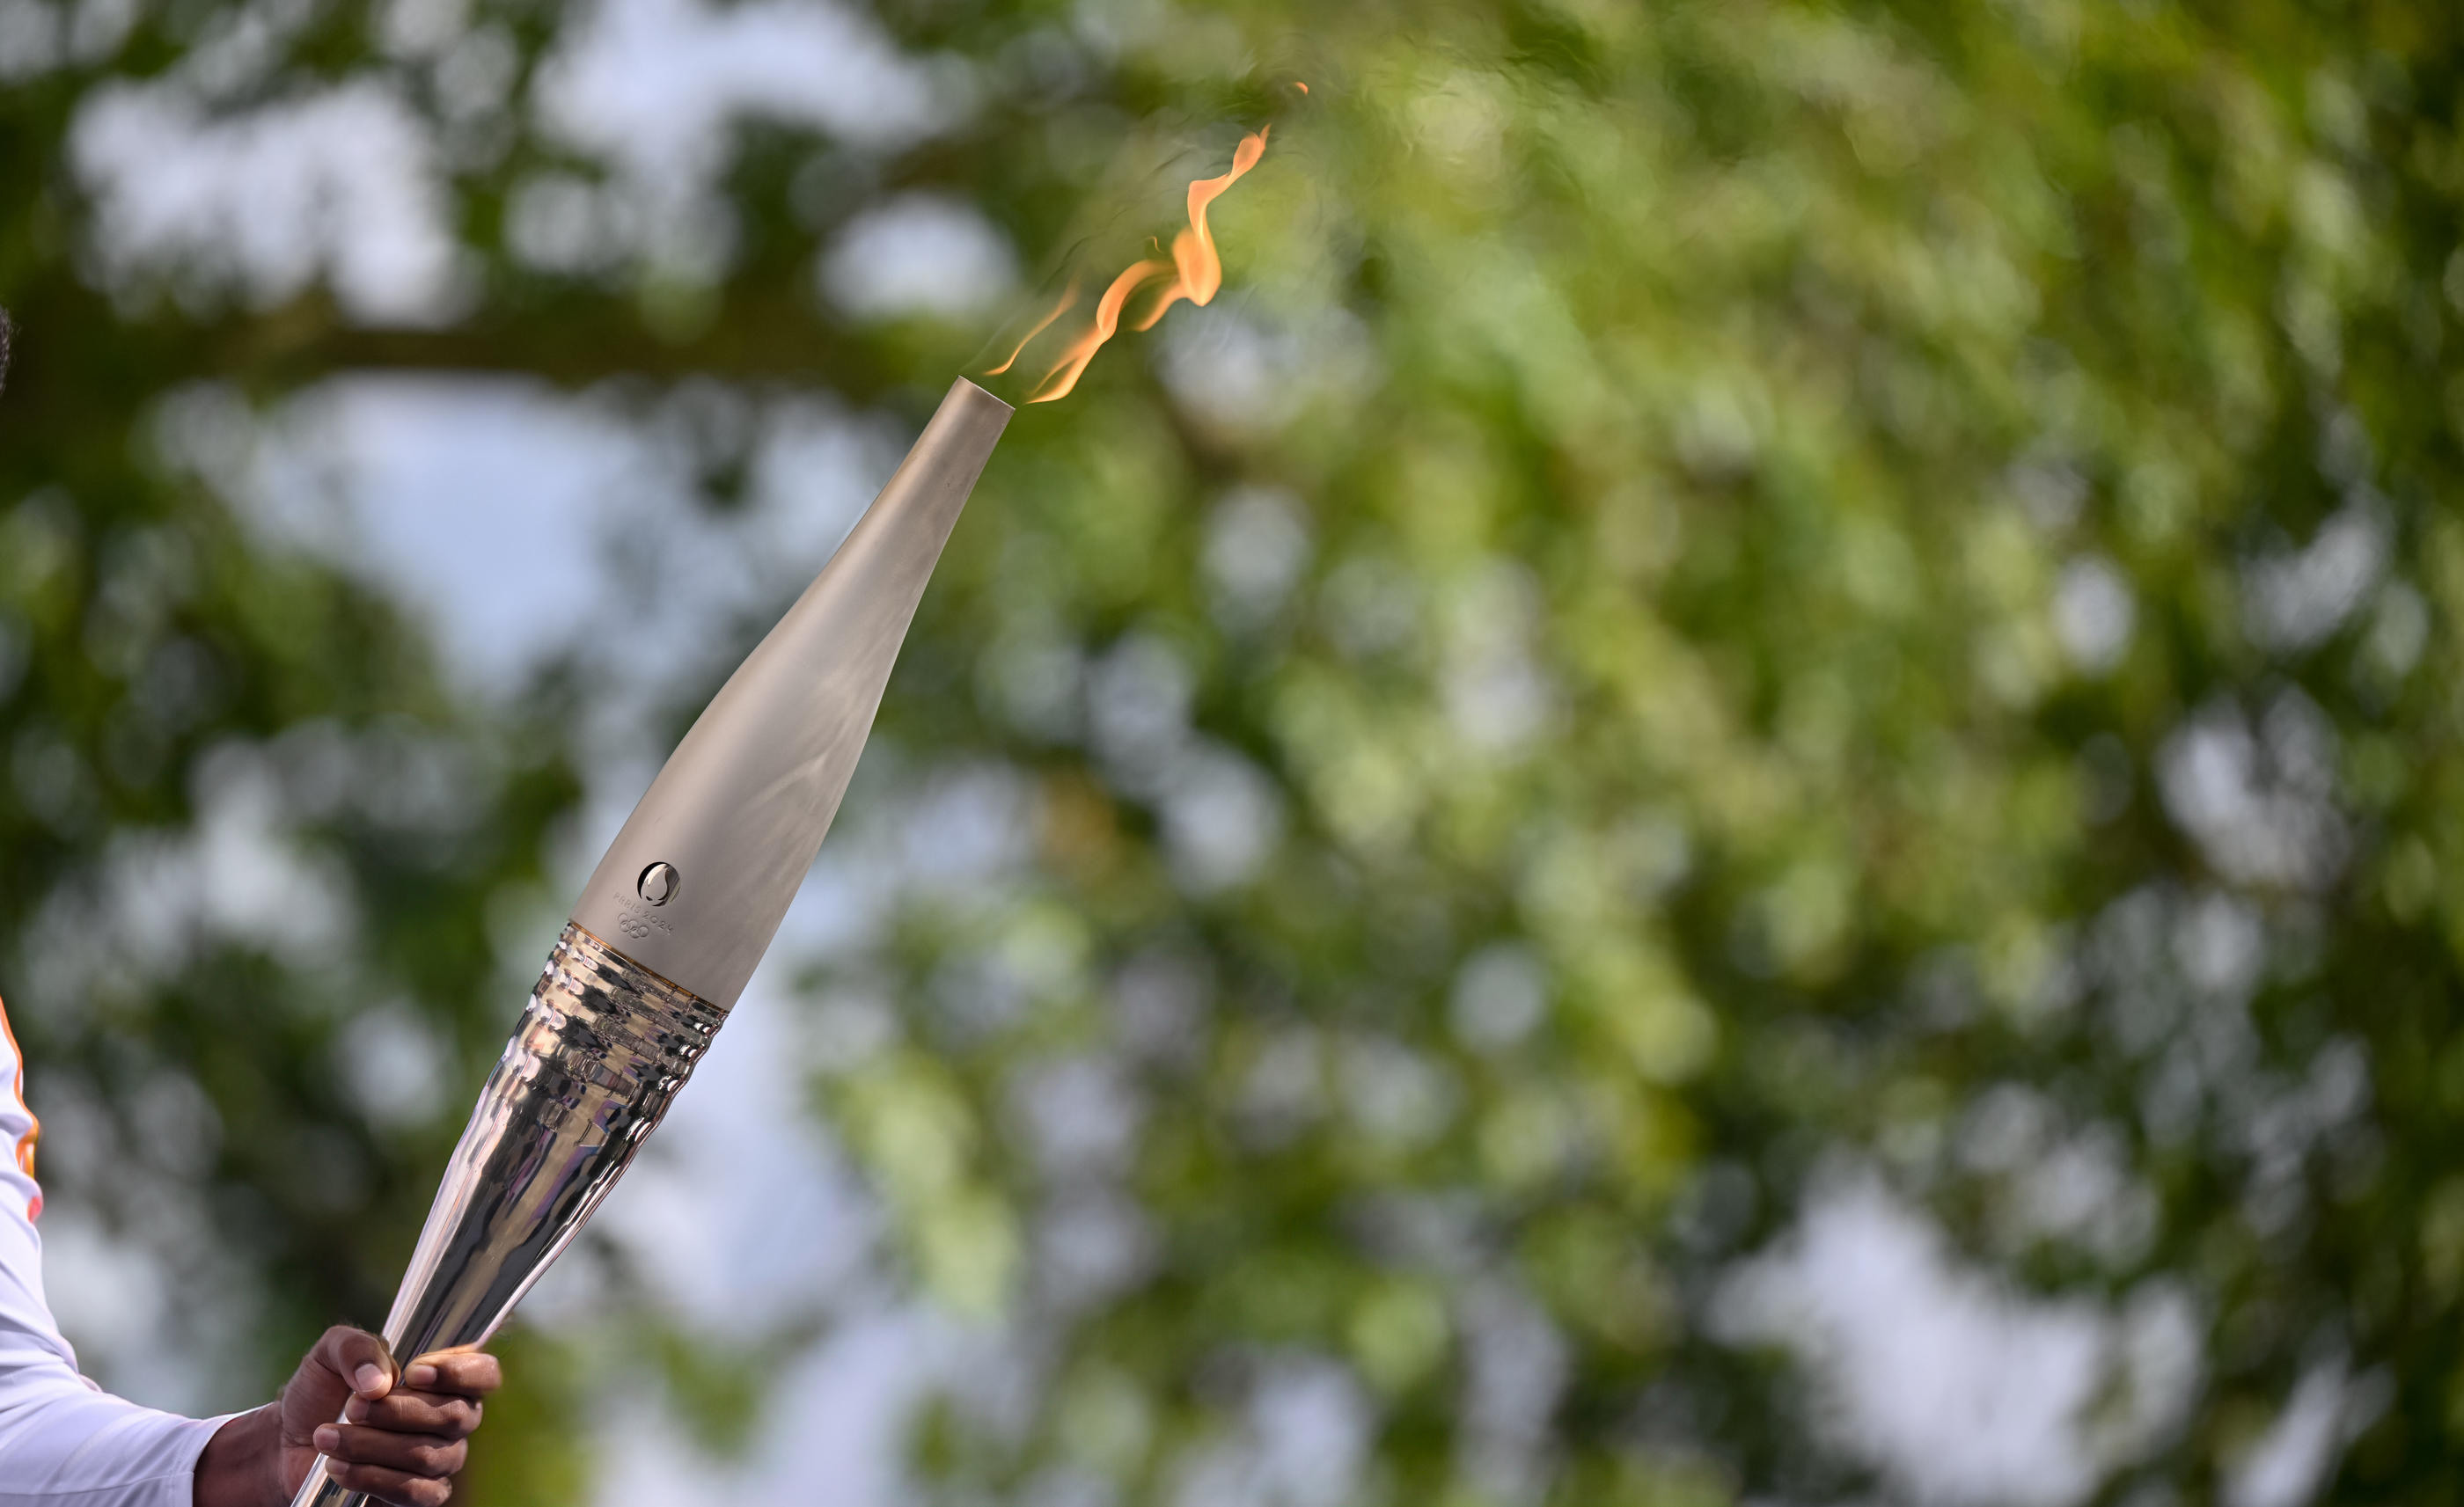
(659, 883)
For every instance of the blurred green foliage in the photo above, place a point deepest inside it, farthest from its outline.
(1726, 583)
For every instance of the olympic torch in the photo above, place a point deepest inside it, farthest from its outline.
(678, 914)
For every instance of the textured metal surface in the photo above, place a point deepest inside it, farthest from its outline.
(740, 808)
(603, 1047)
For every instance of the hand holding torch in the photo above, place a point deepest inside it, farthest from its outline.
(678, 914)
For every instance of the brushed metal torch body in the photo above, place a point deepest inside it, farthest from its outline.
(677, 915)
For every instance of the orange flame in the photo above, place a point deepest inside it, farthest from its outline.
(1196, 276)
(1041, 325)
(1193, 250)
(1058, 381)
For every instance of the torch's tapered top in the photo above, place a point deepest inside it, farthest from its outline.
(695, 885)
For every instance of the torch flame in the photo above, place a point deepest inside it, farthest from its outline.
(1041, 325)
(1195, 271)
(1058, 381)
(1193, 250)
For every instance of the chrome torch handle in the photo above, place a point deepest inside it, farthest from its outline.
(320, 1489)
(603, 1047)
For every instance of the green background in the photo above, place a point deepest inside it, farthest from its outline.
(1865, 570)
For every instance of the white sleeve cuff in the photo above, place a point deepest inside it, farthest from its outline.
(68, 1447)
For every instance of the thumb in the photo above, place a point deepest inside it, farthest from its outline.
(358, 1359)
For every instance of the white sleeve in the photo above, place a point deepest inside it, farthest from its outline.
(63, 1441)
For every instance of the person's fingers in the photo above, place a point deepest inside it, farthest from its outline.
(403, 1410)
(410, 1453)
(471, 1373)
(390, 1486)
(359, 1358)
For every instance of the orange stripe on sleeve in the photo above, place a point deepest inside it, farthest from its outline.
(23, 1152)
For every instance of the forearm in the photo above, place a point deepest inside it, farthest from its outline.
(242, 1463)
